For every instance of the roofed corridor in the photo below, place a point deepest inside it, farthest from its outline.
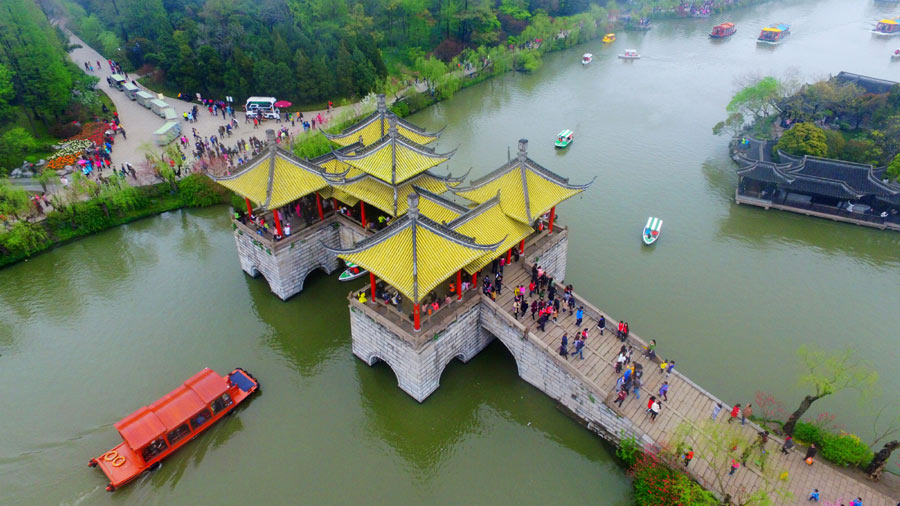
(688, 402)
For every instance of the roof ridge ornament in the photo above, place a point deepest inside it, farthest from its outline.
(381, 103)
(523, 149)
(412, 202)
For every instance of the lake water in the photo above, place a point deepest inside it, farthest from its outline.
(95, 329)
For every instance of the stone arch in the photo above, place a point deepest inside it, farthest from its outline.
(312, 269)
(405, 383)
(515, 351)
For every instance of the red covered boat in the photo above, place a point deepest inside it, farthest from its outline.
(722, 31)
(153, 432)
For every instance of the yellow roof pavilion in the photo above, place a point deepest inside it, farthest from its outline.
(437, 208)
(414, 254)
(376, 125)
(488, 223)
(394, 158)
(527, 190)
(275, 179)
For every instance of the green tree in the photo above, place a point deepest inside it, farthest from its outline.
(733, 125)
(835, 142)
(893, 169)
(13, 201)
(48, 177)
(804, 139)
(757, 98)
(829, 373)
(15, 144)
(7, 92)
(23, 238)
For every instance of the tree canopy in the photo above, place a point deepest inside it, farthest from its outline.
(804, 139)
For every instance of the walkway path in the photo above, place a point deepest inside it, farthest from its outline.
(688, 403)
(140, 123)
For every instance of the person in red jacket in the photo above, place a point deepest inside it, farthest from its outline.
(735, 412)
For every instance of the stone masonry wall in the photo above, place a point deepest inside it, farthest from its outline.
(543, 368)
(418, 371)
(286, 267)
(553, 260)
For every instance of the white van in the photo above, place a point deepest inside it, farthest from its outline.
(261, 107)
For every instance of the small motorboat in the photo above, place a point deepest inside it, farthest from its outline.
(564, 138)
(887, 28)
(609, 37)
(774, 34)
(651, 230)
(352, 272)
(722, 31)
(895, 55)
(587, 58)
(630, 54)
(154, 432)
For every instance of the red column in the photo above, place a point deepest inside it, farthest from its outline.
(249, 207)
(417, 324)
(509, 256)
(319, 206)
(362, 213)
(552, 215)
(458, 285)
(277, 223)
(372, 283)
(475, 281)
(522, 247)
(335, 203)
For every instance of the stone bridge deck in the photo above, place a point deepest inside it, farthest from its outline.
(586, 386)
(688, 404)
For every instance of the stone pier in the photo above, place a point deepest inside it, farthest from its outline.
(285, 264)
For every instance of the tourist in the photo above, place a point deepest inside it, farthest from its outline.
(579, 348)
(620, 329)
(688, 456)
(636, 387)
(734, 467)
(856, 502)
(735, 412)
(579, 316)
(564, 346)
(362, 297)
(626, 330)
(654, 411)
(515, 307)
(810, 454)
(664, 391)
(788, 444)
(745, 413)
(670, 368)
(663, 366)
(717, 408)
(601, 324)
(620, 362)
(650, 402)
(620, 398)
(814, 495)
(651, 349)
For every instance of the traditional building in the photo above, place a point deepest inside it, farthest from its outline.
(835, 189)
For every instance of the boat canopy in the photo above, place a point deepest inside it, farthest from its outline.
(610, 35)
(631, 51)
(889, 21)
(725, 25)
(565, 133)
(588, 55)
(149, 423)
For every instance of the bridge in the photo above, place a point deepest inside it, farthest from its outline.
(585, 387)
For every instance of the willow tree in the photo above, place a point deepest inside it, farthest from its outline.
(829, 373)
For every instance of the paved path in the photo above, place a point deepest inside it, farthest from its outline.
(140, 123)
(688, 404)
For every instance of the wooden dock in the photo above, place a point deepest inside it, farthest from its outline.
(689, 406)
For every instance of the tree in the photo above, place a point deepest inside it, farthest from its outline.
(733, 125)
(758, 98)
(7, 92)
(829, 373)
(876, 467)
(15, 144)
(13, 200)
(893, 169)
(48, 176)
(804, 139)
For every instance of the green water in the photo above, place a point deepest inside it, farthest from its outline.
(95, 329)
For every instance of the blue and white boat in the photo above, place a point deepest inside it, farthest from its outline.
(651, 230)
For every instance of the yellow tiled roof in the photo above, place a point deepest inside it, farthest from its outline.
(252, 183)
(289, 181)
(416, 136)
(379, 161)
(375, 126)
(437, 212)
(437, 257)
(369, 133)
(335, 166)
(488, 224)
(381, 195)
(543, 191)
(333, 193)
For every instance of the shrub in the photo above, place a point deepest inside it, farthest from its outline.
(22, 239)
(89, 216)
(804, 139)
(628, 450)
(835, 142)
(656, 484)
(845, 450)
(238, 203)
(893, 169)
(808, 433)
(197, 190)
(311, 145)
(400, 109)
